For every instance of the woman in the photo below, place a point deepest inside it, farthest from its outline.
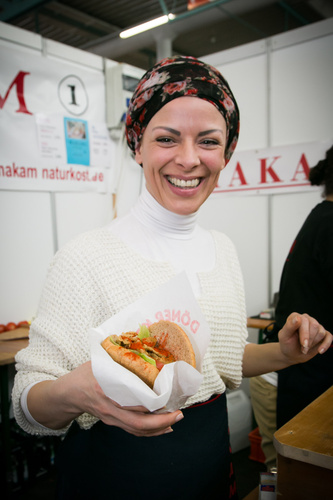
(182, 125)
(307, 285)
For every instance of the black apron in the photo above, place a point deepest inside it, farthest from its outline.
(192, 462)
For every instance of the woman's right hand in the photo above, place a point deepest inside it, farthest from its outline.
(55, 404)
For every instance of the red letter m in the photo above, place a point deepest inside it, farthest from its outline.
(19, 82)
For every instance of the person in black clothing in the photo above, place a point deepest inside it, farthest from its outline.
(307, 286)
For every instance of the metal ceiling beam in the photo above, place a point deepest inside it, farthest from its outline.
(77, 19)
(55, 16)
(86, 19)
(164, 7)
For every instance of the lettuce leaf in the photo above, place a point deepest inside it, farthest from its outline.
(145, 357)
(143, 332)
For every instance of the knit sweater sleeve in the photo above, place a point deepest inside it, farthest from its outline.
(90, 279)
(58, 342)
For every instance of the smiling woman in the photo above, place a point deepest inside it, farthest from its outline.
(182, 157)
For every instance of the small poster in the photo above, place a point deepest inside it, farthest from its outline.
(77, 141)
(51, 142)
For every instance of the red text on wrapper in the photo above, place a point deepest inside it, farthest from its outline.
(177, 316)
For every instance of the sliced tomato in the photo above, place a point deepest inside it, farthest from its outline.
(159, 365)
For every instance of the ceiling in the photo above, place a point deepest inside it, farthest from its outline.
(211, 27)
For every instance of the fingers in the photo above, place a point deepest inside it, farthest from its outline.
(149, 424)
(312, 335)
(308, 332)
(139, 421)
(136, 420)
(326, 343)
(292, 324)
(295, 331)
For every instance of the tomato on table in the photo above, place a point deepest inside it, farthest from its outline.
(10, 326)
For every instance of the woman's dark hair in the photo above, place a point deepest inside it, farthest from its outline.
(322, 173)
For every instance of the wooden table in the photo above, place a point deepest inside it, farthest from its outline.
(259, 323)
(10, 344)
(9, 349)
(304, 448)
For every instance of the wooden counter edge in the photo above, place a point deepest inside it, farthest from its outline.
(294, 450)
(303, 455)
(17, 334)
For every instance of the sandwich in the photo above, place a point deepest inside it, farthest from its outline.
(146, 352)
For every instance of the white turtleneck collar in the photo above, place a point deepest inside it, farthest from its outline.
(157, 218)
(163, 236)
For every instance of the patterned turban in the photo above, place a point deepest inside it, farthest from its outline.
(176, 77)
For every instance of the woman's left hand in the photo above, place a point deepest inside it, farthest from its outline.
(302, 337)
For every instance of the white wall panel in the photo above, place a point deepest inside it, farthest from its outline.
(244, 220)
(11, 36)
(80, 212)
(26, 250)
(129, 179)
(301, 95)
(288, 215)
(247, 77)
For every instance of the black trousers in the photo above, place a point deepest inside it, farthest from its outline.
(192, 462)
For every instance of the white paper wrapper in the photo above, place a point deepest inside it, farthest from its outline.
(173, 301)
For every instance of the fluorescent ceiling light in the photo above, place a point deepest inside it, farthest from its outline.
(146, 26)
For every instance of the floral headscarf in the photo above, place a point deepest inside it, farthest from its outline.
(176, 77)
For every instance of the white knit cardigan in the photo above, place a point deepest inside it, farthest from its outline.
(94, 277)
